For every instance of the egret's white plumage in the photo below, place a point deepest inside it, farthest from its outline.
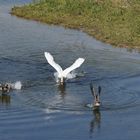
(75, 65)
(51, 61)
(63, 73)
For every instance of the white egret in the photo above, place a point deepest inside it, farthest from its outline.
(63, 74)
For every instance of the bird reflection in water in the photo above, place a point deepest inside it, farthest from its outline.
(62, 89)
(96, 121)
(5, 99)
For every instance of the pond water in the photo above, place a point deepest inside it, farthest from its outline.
(41, 109)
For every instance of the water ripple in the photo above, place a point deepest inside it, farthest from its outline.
(41, 107)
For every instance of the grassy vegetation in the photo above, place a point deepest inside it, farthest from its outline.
(113, 21)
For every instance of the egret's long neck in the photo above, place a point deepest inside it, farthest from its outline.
(62, 81)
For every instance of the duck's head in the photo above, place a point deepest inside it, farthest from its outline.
(96, 103)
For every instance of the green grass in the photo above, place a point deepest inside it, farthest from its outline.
(113, 21)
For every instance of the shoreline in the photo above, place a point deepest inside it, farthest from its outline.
(106, 31)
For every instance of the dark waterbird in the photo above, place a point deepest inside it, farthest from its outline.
(5, 88)
(96, 95)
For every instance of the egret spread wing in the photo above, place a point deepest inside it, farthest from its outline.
(51, 61)
(75, 65)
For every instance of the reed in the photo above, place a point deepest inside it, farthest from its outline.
(116, 22)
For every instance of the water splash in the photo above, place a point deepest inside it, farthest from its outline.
(70, 75)
(17, 85)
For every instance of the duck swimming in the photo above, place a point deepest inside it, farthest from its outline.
(63, 74)
(96, 95)
(5, 87)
